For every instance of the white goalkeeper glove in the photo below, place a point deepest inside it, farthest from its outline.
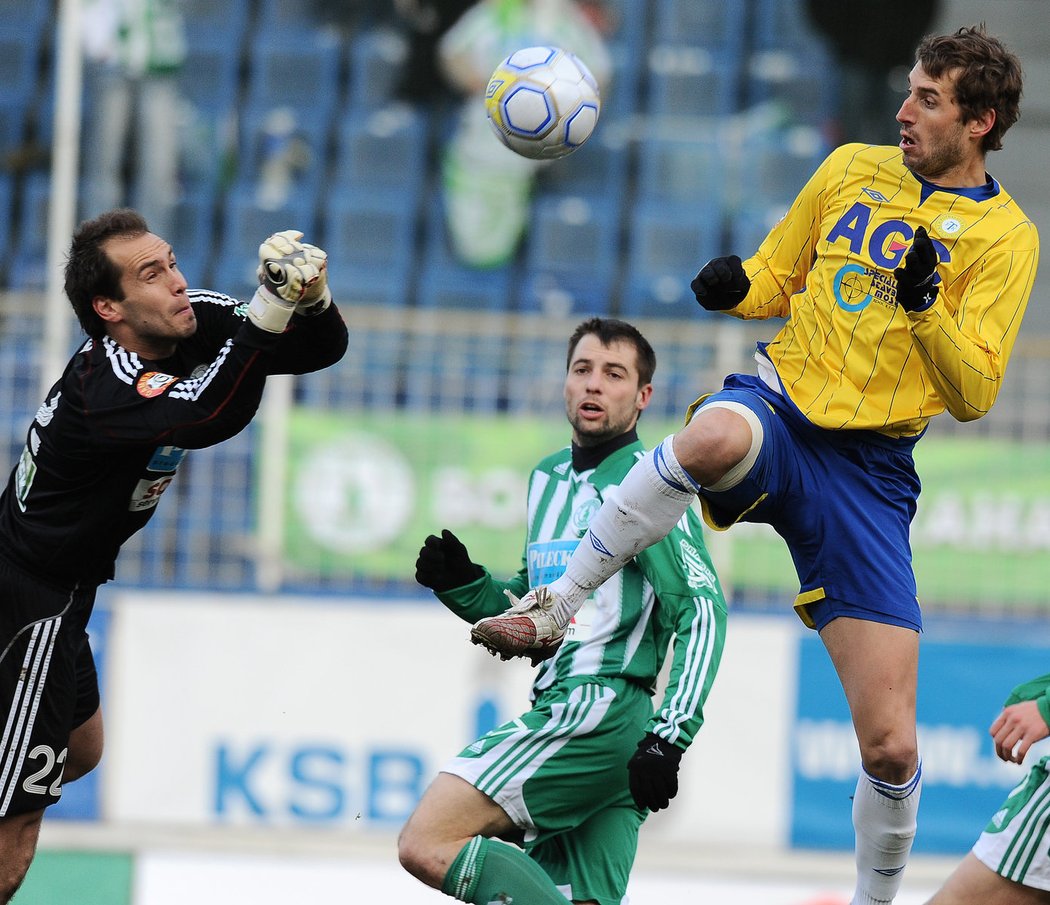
(317, 296)
(286, 274)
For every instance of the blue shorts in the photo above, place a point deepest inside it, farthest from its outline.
(842, 500)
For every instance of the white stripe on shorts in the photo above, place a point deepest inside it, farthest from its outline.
(24, 706)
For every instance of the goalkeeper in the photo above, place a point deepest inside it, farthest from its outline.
(572, 779)
(164, 369)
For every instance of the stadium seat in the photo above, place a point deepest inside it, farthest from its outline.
(680, 168)
(750, 225)
(19, 56)
(799, 85)
(193, 237)
(382, 149)
(446, 282)
(279, 69)
(281, 154)
(572, 255)
(455, 372)
(367, 377)
(772, 169)
(598, 169)
(712, 24)
(376, 58)
(690, 82)
(28, 267)
(244, 226)
(206, 20)
(668, 245)
(370, 240)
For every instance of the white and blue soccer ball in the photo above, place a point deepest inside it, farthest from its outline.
(542, 102)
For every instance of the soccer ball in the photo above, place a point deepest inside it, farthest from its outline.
(542, 102)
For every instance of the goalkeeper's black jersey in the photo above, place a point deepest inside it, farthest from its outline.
(112, 432)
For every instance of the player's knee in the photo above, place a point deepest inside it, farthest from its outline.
(893, 757)
(18, 837)
(720, 444)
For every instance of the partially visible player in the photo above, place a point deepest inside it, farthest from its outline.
(903, 273)
(572, 779)
(164, 370)
(1010, 862)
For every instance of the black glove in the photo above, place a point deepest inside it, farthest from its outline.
(653, 772)
(443, 563)
(915, 289)
(720, 284)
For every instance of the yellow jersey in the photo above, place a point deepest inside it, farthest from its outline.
(848, 356)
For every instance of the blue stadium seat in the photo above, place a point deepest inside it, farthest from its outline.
(446, 282)
(280, 153)
(244, 225)
(750, 225)
(801, 84)
(368, 376)
(370, 239)
(679, 168)
(28, 267)
(376, 59)
(598, 169)
(384, 148)
(668, 245)
(785, 25)
(193, 237)
(689, 81)
(280, 71)
(572, 255)
(717, 25)
(7, 196)
(19, 56)
(773, 169)
(455, 372)
(206, 20)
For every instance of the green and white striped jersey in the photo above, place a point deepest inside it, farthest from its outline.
(669, 590)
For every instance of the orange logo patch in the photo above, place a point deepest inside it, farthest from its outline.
(153, 383)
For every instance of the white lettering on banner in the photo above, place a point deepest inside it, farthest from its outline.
(495, 498)
(956, 756)
(1008, 522)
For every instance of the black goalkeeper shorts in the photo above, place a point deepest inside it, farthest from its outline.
(48, 685)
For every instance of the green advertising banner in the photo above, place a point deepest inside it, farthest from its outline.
(364, 490)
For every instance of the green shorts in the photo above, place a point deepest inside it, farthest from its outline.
(1014, 844)
(560, 773)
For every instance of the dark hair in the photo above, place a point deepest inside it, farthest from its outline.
(989, 76)
(89, 270)
(609, 330)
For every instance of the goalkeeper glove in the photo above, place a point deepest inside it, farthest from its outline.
(443, 563)
(915, 287)
(721, 284)
(653, 772)
(287, 273)
(317, 296)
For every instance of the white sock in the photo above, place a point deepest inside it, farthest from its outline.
(884, 821)
(642, 510)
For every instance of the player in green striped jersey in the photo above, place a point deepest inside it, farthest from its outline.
(1010, 862)
(572, 779)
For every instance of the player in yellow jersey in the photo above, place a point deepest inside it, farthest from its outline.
(903, 273)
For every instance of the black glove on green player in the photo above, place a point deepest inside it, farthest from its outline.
(915, 288)
(721, 284)
(443, 563)
(653, 772)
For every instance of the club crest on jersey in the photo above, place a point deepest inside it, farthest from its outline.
(153, 383)
(582, 514)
